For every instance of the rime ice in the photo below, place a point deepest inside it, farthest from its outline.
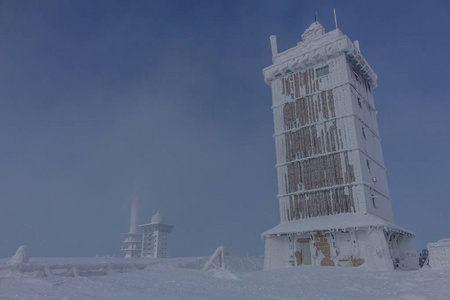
(333, 194)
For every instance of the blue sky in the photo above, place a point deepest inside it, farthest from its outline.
(99, 96)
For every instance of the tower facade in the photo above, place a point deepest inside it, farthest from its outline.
(131, 245)
(335, 207)
(155, 237)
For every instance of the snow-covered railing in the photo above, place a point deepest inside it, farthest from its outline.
(218, 257)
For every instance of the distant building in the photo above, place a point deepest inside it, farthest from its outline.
(155, 237)
(333, 194)
(132, 243)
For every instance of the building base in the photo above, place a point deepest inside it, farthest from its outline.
(381, 245)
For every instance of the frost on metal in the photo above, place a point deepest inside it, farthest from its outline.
(334, 199)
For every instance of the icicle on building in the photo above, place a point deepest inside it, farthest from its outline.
(333, 195)
(155, 237)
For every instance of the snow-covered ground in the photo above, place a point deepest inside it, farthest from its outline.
(181, 278)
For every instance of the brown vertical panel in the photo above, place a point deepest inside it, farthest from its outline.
(304, 111)
(305, 106)
(340, 139)
(286, 183)
(319, 103)
(314, 134)
(308, 110)
(291, 205)
(297, 85)
(331, 103)
(287, 137)
(305, 82)
(327, 138)
(325, 104)
(322, 138)
(317, 110)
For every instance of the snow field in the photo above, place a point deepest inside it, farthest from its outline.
(181, 278)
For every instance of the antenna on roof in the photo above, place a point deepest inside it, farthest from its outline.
(315, 18)
(335, 19)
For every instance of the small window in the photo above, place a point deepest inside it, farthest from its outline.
(297, 155)
(364, 134)
(359, 103)
(368, 164)
(373, 201)
(322, 71)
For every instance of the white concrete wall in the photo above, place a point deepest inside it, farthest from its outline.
(277, 253)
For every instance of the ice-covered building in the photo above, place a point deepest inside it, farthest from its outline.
(132, 245)
(333, 194)
(155, 237)
(439, 254)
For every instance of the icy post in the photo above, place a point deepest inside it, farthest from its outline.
(20, 257)
(218, 257)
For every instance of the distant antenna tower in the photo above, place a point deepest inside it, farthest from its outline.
(132, 243)
(315, 18)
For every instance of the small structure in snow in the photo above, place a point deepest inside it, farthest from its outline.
(155, 237)
(439, 254)
(217, 260)
(20, 257)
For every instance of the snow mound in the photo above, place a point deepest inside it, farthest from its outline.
(439, 254)
(224, 274)
(234, 264)
(20, 257)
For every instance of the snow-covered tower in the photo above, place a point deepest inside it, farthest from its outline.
(132, 243)
(155, 237)
(333, 194)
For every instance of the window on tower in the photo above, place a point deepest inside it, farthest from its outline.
(364, 134)
(322, 71)
(359, 102)
(368, 164)
(373, 201)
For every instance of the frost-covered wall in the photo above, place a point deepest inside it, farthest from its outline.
(155, 238)
(328, 149)
(439, 254)
(327, 142)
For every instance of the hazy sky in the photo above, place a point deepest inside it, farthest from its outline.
(99, 96)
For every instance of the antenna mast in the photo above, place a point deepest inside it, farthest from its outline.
(335, 19)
